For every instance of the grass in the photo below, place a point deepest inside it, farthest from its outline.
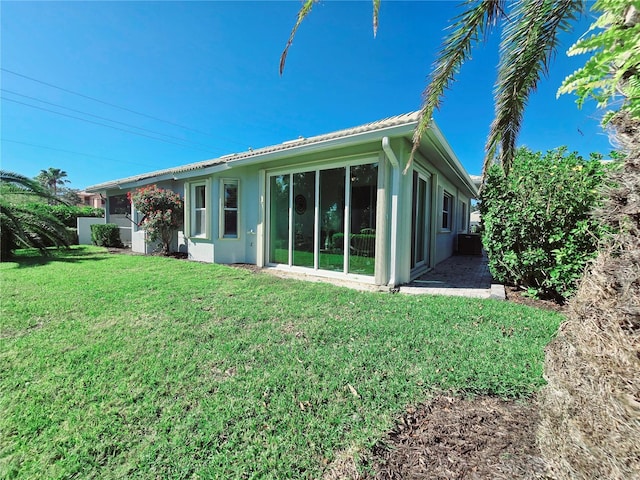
(116, 366)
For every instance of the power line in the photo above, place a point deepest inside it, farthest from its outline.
(99, 123)
(3, 140)
(103, 102)
(104, 118)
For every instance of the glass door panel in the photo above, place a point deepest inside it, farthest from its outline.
(304, 201)
(331, 256)
(279, 219)
(362, 222)
(419, 227)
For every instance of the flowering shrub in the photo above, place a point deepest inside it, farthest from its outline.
(162, 212)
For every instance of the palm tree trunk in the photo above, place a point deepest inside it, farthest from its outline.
(590, 410)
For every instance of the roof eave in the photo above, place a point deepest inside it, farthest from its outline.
(294, 150)
(328, 144)
(452, 160)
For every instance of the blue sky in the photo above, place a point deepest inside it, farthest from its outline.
(204, 76)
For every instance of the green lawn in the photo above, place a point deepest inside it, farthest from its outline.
(117, 366)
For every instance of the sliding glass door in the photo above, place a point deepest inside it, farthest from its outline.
(332, 203)
(307, 219)
(421, 221)
(304, 201)
(279, 218)
(362, 228)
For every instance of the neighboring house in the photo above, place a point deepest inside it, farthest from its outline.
(334, 205)
(474, 221)
(90, 199)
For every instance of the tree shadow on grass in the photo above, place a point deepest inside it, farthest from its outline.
(32, 257)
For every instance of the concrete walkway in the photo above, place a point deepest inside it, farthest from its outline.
(460, 275)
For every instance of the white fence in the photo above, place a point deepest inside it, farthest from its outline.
(84, 229)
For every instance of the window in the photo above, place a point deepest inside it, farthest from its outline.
(229, 209)
(324, 219)
(119, 205)
(199, 210)
(463, 216)
(446, 211)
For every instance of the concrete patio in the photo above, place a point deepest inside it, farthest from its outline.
(459, 275)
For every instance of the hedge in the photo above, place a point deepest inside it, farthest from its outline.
(67, 214)
(106, 235)
(537, 224)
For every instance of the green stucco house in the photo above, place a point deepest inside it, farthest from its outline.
(335, 205)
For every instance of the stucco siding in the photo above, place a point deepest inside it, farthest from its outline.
(214, 233)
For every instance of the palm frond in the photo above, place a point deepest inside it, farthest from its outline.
(11, 225)
(32, 228)
(21, 184)
(302, 14)
(21, 226)
(376, 10)
(468, 28)
(529, 44)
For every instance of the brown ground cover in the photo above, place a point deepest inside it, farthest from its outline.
(462, 438)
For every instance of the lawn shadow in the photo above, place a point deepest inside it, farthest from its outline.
(32, 257)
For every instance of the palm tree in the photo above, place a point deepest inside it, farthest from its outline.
(52, 178)
(590, 410)
(21, 226)
(529, 42)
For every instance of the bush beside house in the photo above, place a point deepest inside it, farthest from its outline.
(106, 235)
(537, 224)
(67, 215)
(162, 211)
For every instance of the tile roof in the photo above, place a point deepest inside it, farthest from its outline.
(408, 119)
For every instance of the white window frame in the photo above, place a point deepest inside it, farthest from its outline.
(341, 162)
(205, 234)
(446, 213)
(224, 209)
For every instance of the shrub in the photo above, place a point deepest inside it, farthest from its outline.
(162, 212)
(537, 226)
(106, 235)
(67, 214)
(337, 241)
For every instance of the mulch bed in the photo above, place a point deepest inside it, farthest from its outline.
(517, 295)
(462, 438)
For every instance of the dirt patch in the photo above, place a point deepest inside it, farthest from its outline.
(517, 295)
(123, 251)
(247, 266)
(458, 438)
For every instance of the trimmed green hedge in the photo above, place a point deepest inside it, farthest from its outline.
(106, 235)
(67, 214)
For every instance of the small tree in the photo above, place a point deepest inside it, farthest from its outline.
(162, 212)
(70, 195)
